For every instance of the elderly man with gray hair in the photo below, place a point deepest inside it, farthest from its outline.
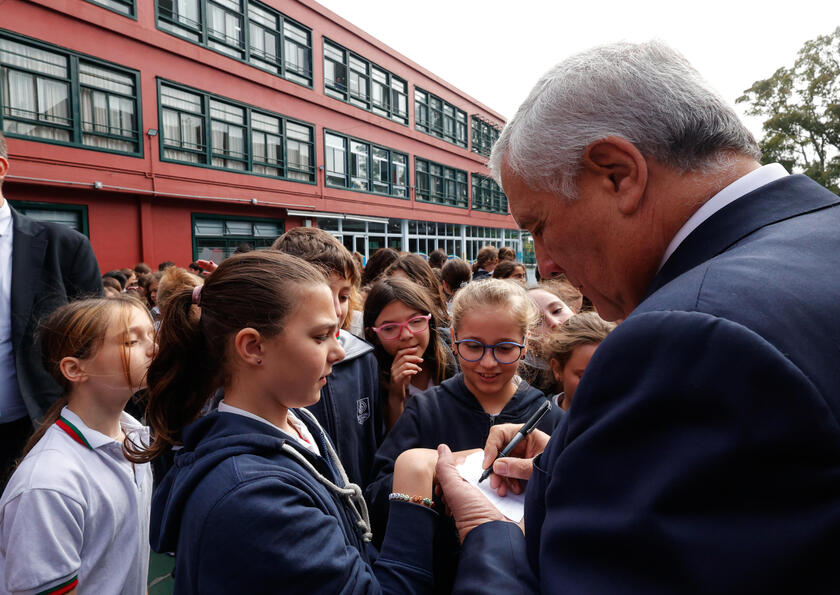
(702, 451)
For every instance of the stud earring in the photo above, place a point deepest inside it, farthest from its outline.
(259, 361)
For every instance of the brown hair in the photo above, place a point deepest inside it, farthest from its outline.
(456, 272)
(141, 268)
(4, 153)
(145, 282)
(394, 289)
(506, 253)
(485, 256)
(377, 263)
(320, 248)
(112, 283)
(437, 258)
(258, 289)
(77, 330)
(506, 268)
(581, 329)
(419, 271)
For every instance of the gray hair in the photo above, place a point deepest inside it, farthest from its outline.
(646, 93)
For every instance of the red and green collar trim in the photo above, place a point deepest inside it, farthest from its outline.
(64, 587)
(76, 435)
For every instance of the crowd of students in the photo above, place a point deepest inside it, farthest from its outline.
(291, 397)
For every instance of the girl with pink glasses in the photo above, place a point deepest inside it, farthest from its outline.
(400, 322)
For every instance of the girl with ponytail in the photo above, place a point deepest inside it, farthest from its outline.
(75, 514)
(257, 498)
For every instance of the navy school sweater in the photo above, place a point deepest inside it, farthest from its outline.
(350, 409)
(445, 414)
(243, 515)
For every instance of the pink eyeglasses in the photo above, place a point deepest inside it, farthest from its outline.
(392, 330)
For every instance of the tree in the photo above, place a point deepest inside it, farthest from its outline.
(802, 110)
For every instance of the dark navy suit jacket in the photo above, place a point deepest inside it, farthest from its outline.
(702, 450)
(51, 265)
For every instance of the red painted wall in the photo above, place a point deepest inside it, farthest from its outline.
(134, 217)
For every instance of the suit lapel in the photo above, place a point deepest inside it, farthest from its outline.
(777, 201)
(28, 248)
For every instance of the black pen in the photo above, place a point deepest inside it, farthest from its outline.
(526, 429)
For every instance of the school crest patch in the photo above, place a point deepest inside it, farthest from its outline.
(362, 410)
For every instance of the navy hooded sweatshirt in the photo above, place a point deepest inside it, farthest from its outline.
(446, 414)
(350, 409)
(244, 515)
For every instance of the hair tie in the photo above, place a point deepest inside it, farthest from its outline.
(196, 295)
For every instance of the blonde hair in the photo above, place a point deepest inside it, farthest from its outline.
(175, 278)
(495, 293)
(586, 328)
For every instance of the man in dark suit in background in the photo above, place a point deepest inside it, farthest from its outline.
(42, 266)
(702, 450)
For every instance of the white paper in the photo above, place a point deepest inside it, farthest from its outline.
(512, 505)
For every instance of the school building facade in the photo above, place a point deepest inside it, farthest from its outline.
(176, 129)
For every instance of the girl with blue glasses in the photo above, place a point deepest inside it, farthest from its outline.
(490, 323)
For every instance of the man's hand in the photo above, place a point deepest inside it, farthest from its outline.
(467, 504)
(510, 472)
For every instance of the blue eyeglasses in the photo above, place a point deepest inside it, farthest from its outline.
(506, 352)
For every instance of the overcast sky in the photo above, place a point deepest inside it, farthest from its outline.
(496, 50)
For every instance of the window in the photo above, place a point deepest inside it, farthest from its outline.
(436, 117)
(440, 184)
(73, 216)
(240, 137)
(359, 165)
(353, 79)
(215, 237)
(478, 237)
(484, 135)
(487, 196)
(63, 97)
(125, 7)
(245, 30)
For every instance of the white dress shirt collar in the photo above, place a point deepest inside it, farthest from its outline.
(740, 187)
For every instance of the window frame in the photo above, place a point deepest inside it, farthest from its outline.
(487, 196)
(207, 150)
(194, 216)
(434, 108)
(448, 177)
(485, 133)
(26, 206)
(132, 5)
(74, 98)
(349, 173)
(343, 92)
(198, 32)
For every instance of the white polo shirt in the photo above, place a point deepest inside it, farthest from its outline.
(75, 514)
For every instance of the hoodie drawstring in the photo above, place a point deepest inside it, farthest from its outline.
(351, 492)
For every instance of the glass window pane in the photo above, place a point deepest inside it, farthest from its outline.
(32, 58)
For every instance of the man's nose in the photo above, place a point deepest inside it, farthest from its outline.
(548, 268)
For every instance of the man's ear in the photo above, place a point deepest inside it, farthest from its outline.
(71, 368)
(247, 346)
(619, 170)
(4, 167)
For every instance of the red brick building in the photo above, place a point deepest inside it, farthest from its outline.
(176, 129)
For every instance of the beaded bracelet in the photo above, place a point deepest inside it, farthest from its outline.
(427, 502)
